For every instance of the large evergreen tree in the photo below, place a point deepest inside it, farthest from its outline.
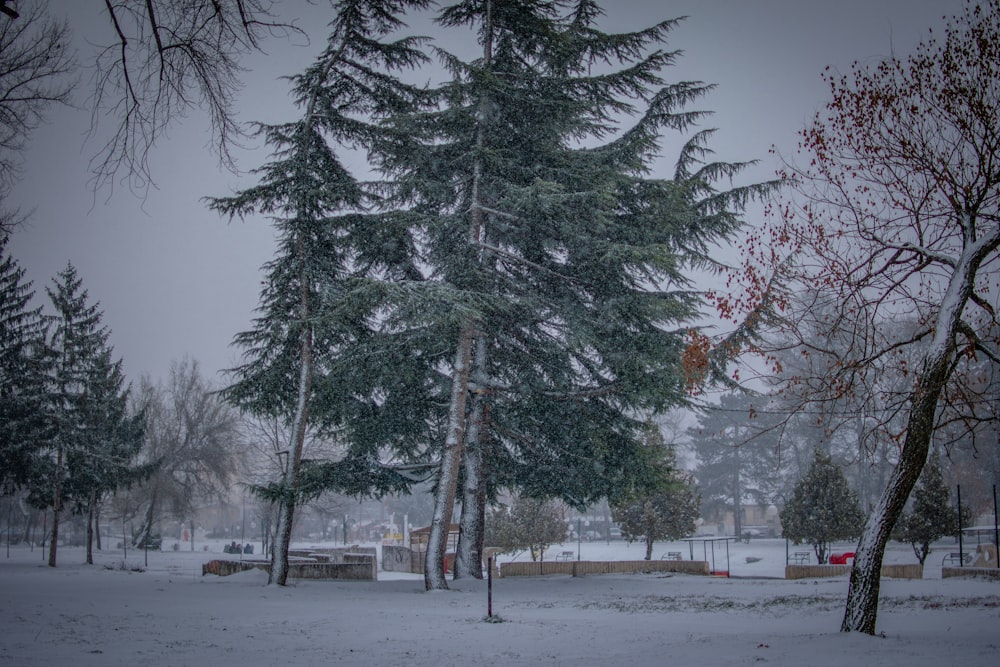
(91, 441)
(822, 508)
(738, 460)
(22, 338)
(111, 437)
(296, 359)
(557, 262)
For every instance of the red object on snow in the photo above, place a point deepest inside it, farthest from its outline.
(841, 559)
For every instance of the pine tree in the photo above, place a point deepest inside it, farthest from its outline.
(296, 358)
(80, 383)
(22, 338)
(932, 515)
(737, 459)
(822, 508)
(557, 264)
(665, 508)
(111, 438)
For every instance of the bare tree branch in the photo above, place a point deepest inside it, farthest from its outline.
(167, 59)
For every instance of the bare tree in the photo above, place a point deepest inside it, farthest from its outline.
(166, 59)
(194, 439)
(898, 218)
(36, 70)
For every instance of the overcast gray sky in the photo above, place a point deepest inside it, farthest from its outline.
(174, 279)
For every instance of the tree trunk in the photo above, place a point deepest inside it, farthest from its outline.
(469, 555)
(97, 526)
(90, 530)
(56, 507)
(862, 596)
(451, 457)
(286, 511)
(283, 536)
(147, 521)
(649, 548)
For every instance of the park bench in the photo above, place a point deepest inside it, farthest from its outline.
(565, 555)
(672, 555)
(957, 558)
(799, 558)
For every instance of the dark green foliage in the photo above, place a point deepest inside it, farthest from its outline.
(931, 516)
(665, 509)
(351, 476)
(314, 348)
(546, 234)
(529, 523)
(22, 379)
(822, 508)
(91, 443)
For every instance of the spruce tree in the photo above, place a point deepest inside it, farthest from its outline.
(822, 508)
(932, 516)
(22, 338)
(666, 508)
(111, 438)
(557, 262)
(90, 440)
(297, 359)
(738, 460)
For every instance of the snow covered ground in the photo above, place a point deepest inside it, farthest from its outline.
(169, 614)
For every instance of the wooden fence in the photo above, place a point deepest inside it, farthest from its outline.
(908, 571)
(578, 568)
(986, 572)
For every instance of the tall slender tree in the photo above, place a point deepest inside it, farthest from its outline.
(738, 458)
(557, 263)
(296, 357)
(111, 440)
(90, 441)
(22, 367)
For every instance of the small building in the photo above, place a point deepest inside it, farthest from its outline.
(419, 537)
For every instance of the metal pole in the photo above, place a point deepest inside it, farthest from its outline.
(243, 528)
(996, 531)
(961, 550)
(489, 587)
(10, 509)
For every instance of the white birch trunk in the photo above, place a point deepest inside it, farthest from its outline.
(469, 557)
(286, 511)
(444, 498)
(451, 457)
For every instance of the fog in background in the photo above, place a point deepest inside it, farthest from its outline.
(174, 279)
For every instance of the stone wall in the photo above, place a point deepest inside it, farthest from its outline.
(578, 568)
